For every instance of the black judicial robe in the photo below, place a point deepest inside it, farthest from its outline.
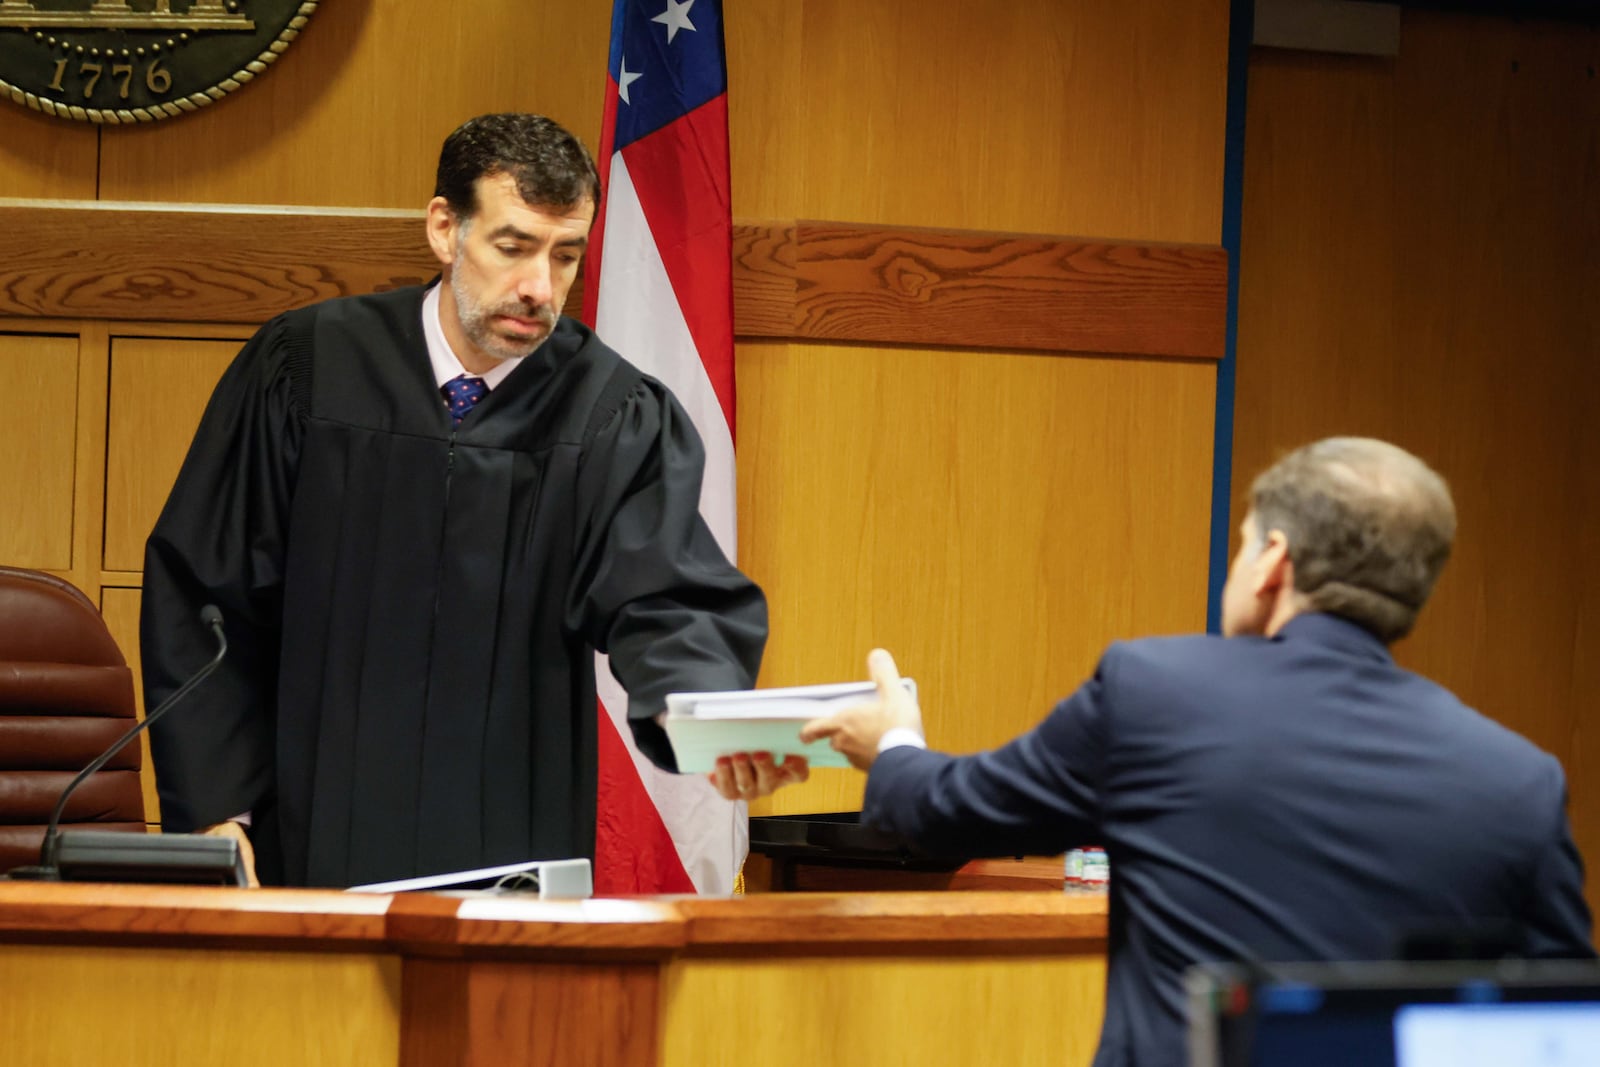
(412, 609)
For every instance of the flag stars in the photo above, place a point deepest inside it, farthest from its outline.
(625, 78)
(675, 18)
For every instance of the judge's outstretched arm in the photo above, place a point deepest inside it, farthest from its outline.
(654, 590)
(219, 541)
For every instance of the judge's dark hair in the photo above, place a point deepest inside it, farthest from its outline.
(550, 166)
(1369, 528)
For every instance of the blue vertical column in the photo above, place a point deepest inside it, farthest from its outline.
(1241, 28)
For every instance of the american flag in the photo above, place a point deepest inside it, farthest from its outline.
(659, 289)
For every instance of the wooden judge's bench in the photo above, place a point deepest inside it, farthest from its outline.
(146, 975)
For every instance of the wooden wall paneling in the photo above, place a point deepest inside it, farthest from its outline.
(120, 608)
(1497, 171)
(355, 111)
(1454, 253)
(1490, 172)
(318, 1010)
(1583, 760)
(992, 520)
(1584, 763)
(839, 281)
(38, 439)
(767, 101)
(1317, 259)
(1024, 1011)
(1036, 116)
(89, 476)
(183, 263)
(42, 156)
(159, 389)
(868, 283)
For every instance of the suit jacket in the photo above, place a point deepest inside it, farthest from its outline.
(1298, 797)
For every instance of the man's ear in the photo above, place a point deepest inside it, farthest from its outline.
(442, 225)
(1272, 571)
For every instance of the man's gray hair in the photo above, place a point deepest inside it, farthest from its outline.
(1369, 528)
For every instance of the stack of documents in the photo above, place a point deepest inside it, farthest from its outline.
(703, 726)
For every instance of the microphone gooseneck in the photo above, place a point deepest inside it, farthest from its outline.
(48, 868)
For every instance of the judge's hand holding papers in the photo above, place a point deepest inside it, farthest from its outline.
(748, 775)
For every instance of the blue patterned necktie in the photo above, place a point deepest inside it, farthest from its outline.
(460, 393)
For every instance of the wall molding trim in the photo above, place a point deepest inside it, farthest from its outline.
(793, 279)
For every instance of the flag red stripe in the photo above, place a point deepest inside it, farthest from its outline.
(681, 176)
(633, 852)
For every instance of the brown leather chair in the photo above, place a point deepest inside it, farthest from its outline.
(65, 695)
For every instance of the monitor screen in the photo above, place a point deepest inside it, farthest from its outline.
(1541, 1014)
(1542, 1034)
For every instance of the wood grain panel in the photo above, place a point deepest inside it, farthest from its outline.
(1584, 760)
(539, 1014)
(1020, 1011)
(1037, 116)
(89, 470)
(863, 283)
(1419, 263)
(334, 1009)
(1076, 118)
(187, 264)
(82, 912)
(354, 112)
(992, 520)
(792, 279)
(764, 282)
(1029, 875)
(840, 923)
(513, 925)
(159, 390)
(42, 156)
(120, 609)
(38, 379)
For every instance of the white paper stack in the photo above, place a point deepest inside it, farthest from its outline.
(703, 726)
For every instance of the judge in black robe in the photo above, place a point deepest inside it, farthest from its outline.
(413, 609)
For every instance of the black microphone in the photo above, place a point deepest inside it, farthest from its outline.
(154, 857)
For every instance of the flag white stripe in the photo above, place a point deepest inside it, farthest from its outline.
(637, 314)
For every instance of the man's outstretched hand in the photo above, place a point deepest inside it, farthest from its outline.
(857, 729)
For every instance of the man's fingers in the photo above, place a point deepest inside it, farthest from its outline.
(817, 729)
(881, 669)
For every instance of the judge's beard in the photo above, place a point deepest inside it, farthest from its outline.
(477, 321)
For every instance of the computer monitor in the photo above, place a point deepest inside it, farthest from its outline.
(1492, 1014)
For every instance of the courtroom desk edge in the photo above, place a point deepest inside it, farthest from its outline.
(795, 872)
(965, 923)
(437, 925)
(875, 923)
(145, 915)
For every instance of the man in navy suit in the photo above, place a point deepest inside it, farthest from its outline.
(1285, 792)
